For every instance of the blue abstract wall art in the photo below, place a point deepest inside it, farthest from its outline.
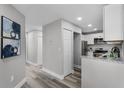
(10, 38)
(10, 47)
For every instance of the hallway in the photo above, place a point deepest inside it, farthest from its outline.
(36, 78)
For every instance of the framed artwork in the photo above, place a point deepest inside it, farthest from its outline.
(10, 29)
(10, 47)
(10, 38)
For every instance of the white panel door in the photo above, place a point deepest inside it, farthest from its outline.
(68, 62)
(39, 59)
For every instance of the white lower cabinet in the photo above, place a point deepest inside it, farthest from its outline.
(97, 73)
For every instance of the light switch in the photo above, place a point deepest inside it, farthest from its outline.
(11, 78)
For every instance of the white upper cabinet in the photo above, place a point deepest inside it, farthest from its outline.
(113, 22)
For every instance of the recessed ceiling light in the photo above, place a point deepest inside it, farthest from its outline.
(90, 25)
(95, 29)
(79, 18)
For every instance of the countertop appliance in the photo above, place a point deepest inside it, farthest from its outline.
(84, 48)
(99, 52)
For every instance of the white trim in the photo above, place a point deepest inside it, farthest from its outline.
(61, 77)
(72, 72)
(38, 64)
(32, 63)
(21, 83)
(77, 66)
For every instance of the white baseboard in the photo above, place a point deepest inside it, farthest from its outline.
(72, 72)
(77, 66)
(32, 63)
(61, 77)
(21, 83)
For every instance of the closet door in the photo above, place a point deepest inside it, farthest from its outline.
(39, 51)
(68, 62)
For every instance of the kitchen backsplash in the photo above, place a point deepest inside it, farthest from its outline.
(107, 47)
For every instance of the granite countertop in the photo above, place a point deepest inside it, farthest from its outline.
(119, 61)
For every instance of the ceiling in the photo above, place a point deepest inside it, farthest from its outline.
(41, 14)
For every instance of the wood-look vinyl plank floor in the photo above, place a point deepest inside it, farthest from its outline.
(36, 78)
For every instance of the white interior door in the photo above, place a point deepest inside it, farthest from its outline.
(39, 59)
(30, 47)
(67, 52)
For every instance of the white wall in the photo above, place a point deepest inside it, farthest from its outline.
(53, 48)
(14, 66)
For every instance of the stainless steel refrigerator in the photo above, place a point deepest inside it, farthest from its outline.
(84, 48)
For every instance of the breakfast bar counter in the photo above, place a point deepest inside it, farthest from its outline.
(102, 73)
